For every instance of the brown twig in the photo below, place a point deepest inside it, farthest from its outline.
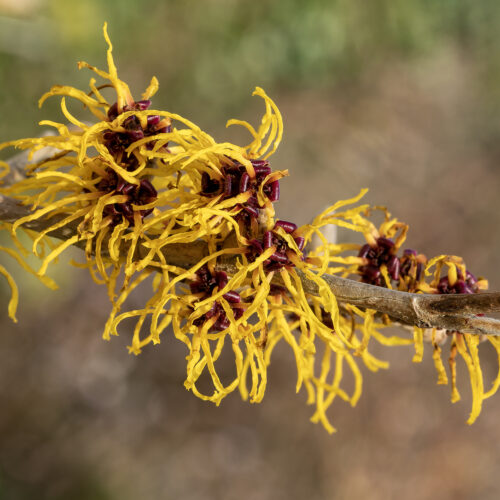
(449, 312)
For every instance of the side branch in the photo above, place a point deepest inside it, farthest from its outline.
(449, 312)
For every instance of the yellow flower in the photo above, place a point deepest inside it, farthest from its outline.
(152, 198)
(378, 263)
(457, 280)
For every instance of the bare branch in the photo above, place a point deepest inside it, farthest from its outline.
(449, 312)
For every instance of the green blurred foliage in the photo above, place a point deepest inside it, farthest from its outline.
(209, 55)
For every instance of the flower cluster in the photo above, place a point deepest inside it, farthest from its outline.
(151, 197)
(378, 263)
(378, 255)
(203, 285)
(284, 253)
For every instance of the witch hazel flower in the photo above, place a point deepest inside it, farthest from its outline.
(154, 201)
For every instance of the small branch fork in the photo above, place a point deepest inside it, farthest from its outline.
(450, 312)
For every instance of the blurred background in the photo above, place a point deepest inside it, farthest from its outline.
(400, 96)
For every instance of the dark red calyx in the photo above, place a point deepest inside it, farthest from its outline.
(393, 267)
(205, 284)
(461, 285)
(141, 194)
(289, 227)
(233, 297)
(153, 120)
(377, 255)
(364, 250)
(273, 193)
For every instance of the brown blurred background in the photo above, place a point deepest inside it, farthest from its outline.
(399, 96)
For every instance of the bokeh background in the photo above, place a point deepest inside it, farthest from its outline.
(400, 96)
